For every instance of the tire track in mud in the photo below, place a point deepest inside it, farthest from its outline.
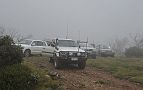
(72, 78)
(92, 79)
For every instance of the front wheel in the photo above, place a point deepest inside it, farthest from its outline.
(27, 53)
(51, 60)
(81, 64)
(57, 64)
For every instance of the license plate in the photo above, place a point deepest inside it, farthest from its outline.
(74, 59)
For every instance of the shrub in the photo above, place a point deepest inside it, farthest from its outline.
(45, 81)
(17, 77)
(9, 53)
(134, 52)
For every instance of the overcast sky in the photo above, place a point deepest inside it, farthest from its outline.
(99, 20)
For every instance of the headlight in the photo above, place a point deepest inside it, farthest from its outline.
(78, 54)
(57, 54)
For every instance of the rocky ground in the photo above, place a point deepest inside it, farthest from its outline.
(72, 78)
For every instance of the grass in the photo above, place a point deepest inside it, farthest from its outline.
(123, 68)
(45, 82)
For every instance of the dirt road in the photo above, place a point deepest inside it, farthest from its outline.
(90, 78)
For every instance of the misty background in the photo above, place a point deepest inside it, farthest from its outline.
(99, 20)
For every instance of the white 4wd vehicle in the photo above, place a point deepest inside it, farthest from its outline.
(68, 52)
(105, 51)
(91, 51)
(39, 47)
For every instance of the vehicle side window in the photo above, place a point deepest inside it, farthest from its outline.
(44, 44)
(34, 43)
(38, 43)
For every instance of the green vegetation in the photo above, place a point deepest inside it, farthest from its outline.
(39, 65)
(17, 77)
(9, 53)
(13, 74)
(134, 52)
(123, 68)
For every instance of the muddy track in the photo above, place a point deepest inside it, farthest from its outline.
(90, 78)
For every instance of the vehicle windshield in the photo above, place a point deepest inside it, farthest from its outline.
(27, 42)
(66, 43)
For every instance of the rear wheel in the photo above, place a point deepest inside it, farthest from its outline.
(27, 53)
(82, 64)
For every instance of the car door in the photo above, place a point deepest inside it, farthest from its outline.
(36, 47)
(48, 50)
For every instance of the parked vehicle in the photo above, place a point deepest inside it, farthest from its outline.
(105, 51)
(36, 47)
(67, 51)
(91, 51)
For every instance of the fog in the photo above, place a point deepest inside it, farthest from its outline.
(99, 20)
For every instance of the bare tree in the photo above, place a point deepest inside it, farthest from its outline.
(12, 33)
(119, 46)
(137, 39)
(17, 37)
(5, 31)
(2, 31)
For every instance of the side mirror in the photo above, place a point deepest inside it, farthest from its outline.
(56, 48)
(79, 46)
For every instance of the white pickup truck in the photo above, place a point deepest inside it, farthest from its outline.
(39, 47)
(68, 52)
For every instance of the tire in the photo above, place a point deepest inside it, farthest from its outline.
(57, 64)
(27, 53)
(51, 60)
(81, 64)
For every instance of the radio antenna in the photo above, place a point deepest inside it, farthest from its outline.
(67, 32)
(79, 35)
(86, 43)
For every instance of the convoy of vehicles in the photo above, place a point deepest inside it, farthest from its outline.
(64, 51)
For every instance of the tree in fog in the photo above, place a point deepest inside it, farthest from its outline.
(119, 46)
(16, 36)
(2, 31)
(137, 40)
(21, 38)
